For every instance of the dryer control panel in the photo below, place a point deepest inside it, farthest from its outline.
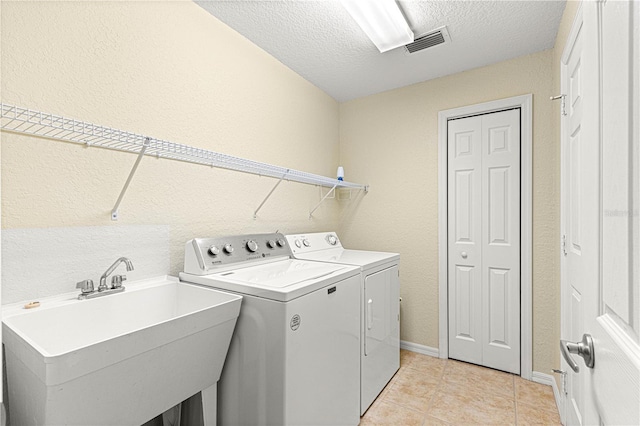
(206, 255)
(306, 243)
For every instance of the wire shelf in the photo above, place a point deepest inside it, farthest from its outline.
(36, 123)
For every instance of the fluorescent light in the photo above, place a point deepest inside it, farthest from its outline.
(382, 21)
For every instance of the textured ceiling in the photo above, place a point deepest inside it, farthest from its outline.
(322, 43)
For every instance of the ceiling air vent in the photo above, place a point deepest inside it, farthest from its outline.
(430, 39)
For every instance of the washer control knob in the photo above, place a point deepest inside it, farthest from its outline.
(271, 244)
(281, 242)
(228, 248)
(252, 246)
(306, 242)
(332, 240)
(298, 243)
(214, 251)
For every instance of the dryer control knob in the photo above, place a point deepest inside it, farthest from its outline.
(298, 243)
(214, 251)
(332, 240)
(306, 242)
(252, 246)
(228, 248)
(282, 242)
(271, 244)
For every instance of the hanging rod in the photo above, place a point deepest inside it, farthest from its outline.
(32, 122)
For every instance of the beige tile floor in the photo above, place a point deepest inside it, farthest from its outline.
(431, 391)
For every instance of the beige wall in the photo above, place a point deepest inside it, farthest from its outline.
(390, 140)
(172, 71)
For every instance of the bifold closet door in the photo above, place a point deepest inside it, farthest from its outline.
(465, 238)
(484, 239)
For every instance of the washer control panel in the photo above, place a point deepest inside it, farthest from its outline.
(305, 243)
(204, 254)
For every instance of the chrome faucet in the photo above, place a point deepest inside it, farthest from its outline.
(86, 286)
(118, 278)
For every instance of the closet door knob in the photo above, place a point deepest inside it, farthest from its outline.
(463, 254)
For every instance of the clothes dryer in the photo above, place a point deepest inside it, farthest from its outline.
(380, 305)
(293, 358)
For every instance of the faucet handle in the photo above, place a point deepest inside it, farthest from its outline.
(86, 286)
(116, 280)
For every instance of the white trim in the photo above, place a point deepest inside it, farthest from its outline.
(525, 103)
(542, 378)
(573, 35)
(421, 349)
(549, 380)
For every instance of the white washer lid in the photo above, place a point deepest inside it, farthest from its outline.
(362, 258)
(282, 280)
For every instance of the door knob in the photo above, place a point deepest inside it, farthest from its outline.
(463, 254)
(583, 348)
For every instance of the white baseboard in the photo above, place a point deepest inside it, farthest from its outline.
(549, 380)
(421, 349)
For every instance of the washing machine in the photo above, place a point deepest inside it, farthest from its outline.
(293, 358)
(380, 305)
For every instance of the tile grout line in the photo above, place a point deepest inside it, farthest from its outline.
(392, 385)
(425, 413)
(440, 384)
(515, 400)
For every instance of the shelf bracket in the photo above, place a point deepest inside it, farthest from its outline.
(145, 145)
(255, 213)
(321, 201)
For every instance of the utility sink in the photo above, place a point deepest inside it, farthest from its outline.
(120, 359)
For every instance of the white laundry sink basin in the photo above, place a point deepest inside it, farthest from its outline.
(120, 359)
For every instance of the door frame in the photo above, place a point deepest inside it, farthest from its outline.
(524, 102)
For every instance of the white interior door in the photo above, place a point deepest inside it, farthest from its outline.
(575, 263)
(615, 325)
(465, 238)
(609, 303)
(484, 239)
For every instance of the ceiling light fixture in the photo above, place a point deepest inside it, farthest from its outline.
(382, 21)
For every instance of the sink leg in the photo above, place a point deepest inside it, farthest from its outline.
(209, 405)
